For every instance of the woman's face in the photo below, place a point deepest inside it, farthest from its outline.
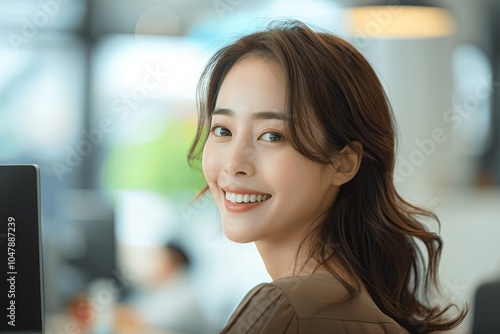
(263, 187)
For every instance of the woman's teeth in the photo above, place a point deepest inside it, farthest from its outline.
(246, 198)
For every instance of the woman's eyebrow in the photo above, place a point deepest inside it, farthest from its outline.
(268, 115)
(256, 115)
(222, 111)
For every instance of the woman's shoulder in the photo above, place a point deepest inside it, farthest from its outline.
(266, 310)
(313, 303)
(324, 296)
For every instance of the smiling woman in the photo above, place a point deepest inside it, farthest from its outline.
(297, 144)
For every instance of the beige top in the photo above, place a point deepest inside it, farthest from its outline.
(303, 305)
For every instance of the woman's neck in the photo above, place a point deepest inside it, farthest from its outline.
(284, 259)
(279, 260)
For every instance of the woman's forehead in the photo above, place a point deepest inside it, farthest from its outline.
(253, 84)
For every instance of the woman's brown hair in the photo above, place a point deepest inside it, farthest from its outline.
(334, 98)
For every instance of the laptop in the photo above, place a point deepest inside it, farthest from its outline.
(21, 285)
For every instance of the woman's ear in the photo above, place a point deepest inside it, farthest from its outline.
(347, 163)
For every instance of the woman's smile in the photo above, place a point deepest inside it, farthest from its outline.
(238, 200)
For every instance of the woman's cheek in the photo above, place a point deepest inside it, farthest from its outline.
(210, 163)
(204, 161)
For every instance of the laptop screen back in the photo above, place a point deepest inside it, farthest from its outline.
(21, 301)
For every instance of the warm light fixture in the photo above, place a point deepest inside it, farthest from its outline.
(395, 21)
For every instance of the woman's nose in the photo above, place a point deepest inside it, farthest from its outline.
(240, 159)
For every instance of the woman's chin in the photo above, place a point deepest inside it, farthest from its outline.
(238, 235)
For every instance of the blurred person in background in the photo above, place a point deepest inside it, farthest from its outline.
(167, 304)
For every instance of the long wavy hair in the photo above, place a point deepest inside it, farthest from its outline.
(333, 99)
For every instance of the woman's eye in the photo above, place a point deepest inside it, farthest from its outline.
(219, 131)
(272, 136)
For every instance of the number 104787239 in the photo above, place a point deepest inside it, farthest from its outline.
(11, 243)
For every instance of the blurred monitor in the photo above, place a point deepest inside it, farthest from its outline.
(487, 309)
(87, 246)
(21, 296)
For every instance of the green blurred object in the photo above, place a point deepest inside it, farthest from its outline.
(159, 165)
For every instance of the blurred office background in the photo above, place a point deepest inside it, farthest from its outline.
(100, 94)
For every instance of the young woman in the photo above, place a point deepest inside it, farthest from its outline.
(297, 143)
